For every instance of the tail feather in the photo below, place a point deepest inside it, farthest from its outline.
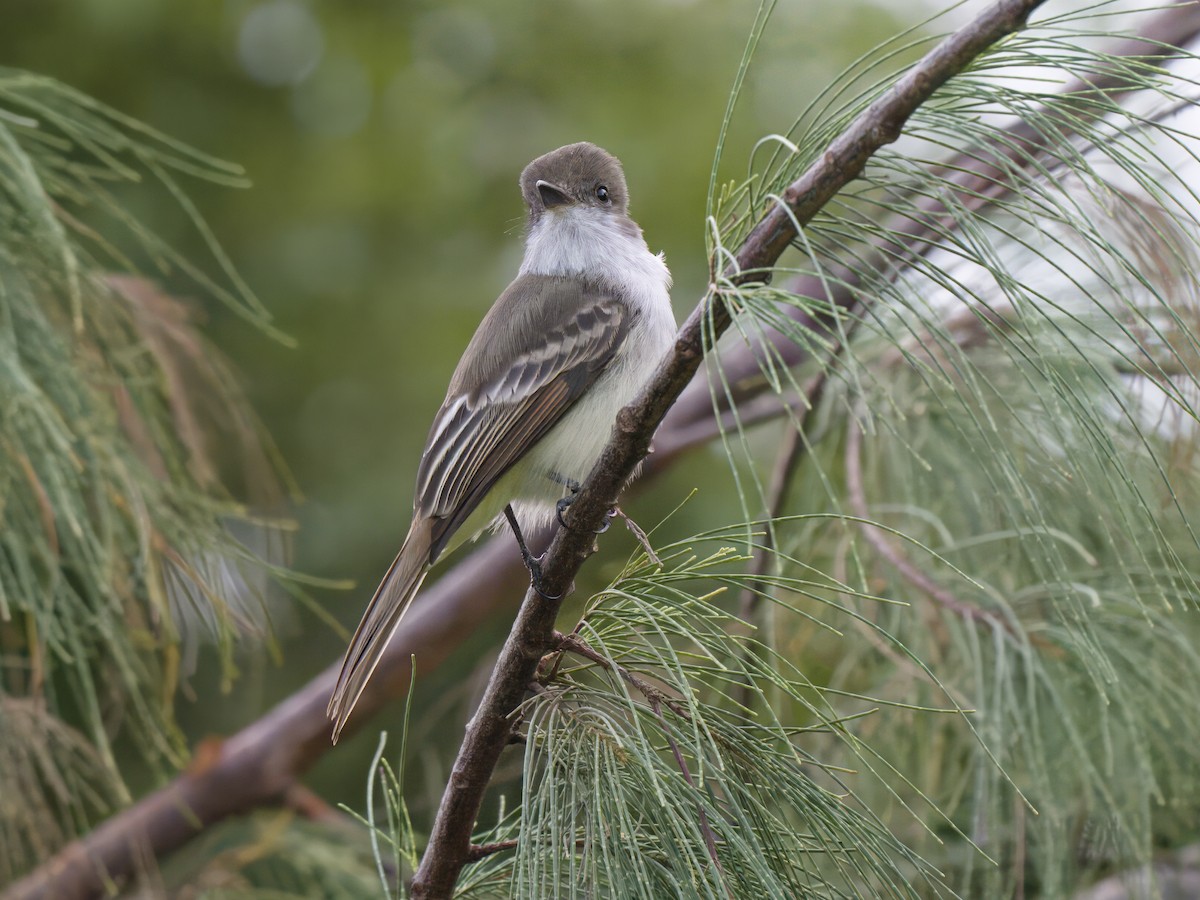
(380, 621)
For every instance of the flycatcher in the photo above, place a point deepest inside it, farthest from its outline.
(532, 403)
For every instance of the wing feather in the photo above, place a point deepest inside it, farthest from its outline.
(479, 435)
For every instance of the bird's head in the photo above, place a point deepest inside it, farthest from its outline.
(575, 177)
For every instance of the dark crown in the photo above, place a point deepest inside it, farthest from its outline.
(582, 173)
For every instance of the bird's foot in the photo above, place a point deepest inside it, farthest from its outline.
(532, 563)
(564, 503)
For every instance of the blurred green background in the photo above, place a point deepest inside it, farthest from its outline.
(384, 141)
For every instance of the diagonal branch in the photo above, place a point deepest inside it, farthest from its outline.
(533, 632)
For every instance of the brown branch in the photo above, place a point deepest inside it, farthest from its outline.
(482, 851)
(857, 500)
(656, 695)
(532, 633)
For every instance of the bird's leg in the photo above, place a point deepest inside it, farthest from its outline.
(564, 502)
(532, 563)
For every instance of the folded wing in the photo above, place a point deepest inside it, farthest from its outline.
(479, 434)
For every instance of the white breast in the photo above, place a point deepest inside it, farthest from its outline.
(592, 242)
(586, 241)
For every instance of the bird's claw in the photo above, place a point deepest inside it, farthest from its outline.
(534, 564)
(564, 503)
(561, 507)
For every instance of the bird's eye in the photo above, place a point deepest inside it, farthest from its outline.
(601, 193)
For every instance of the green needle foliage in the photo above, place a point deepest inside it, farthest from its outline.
(648, 776)
(1010, 381)
(649, 773)
(971, 659)
(120, 429)
(270, 855)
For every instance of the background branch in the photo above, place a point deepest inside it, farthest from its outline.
(856, 494)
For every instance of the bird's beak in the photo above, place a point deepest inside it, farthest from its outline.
(552, 196)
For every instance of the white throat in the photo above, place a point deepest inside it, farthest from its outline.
(591, 243)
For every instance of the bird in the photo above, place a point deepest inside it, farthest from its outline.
(531, 404)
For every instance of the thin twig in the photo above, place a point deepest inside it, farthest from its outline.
(640, 536)
(857, 500)
(577, 645)
(481, 851)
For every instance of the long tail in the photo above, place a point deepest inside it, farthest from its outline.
(380, 621)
